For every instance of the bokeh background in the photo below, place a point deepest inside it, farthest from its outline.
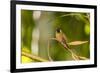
(38, 26)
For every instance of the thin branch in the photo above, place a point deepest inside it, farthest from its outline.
(49, 52)
(74, 56)
(34, 57)
(49, 48)
(71, 14)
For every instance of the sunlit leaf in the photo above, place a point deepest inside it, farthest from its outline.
(26, 49)
(77, 42)
(87, 29)
(26, 59)
(83, 58)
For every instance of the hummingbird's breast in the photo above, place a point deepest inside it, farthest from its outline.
(59, 37)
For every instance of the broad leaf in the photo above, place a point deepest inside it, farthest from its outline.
(77, 42)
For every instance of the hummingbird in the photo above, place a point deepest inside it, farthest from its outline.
(60, 37)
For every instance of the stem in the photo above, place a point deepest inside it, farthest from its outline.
(49, 48)
(49, 52)
(34, 57)
(74, 56)
(72, 14)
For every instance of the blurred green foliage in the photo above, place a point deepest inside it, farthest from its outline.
(27, 24)
(75, 25)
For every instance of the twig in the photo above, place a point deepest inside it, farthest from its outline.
(71, 14)
(74, 56)
(49, 52)
(34, 57)
(49, 48)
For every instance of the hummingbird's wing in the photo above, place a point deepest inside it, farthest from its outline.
(64, 40)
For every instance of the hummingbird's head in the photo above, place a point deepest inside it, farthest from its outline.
(58, 30)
